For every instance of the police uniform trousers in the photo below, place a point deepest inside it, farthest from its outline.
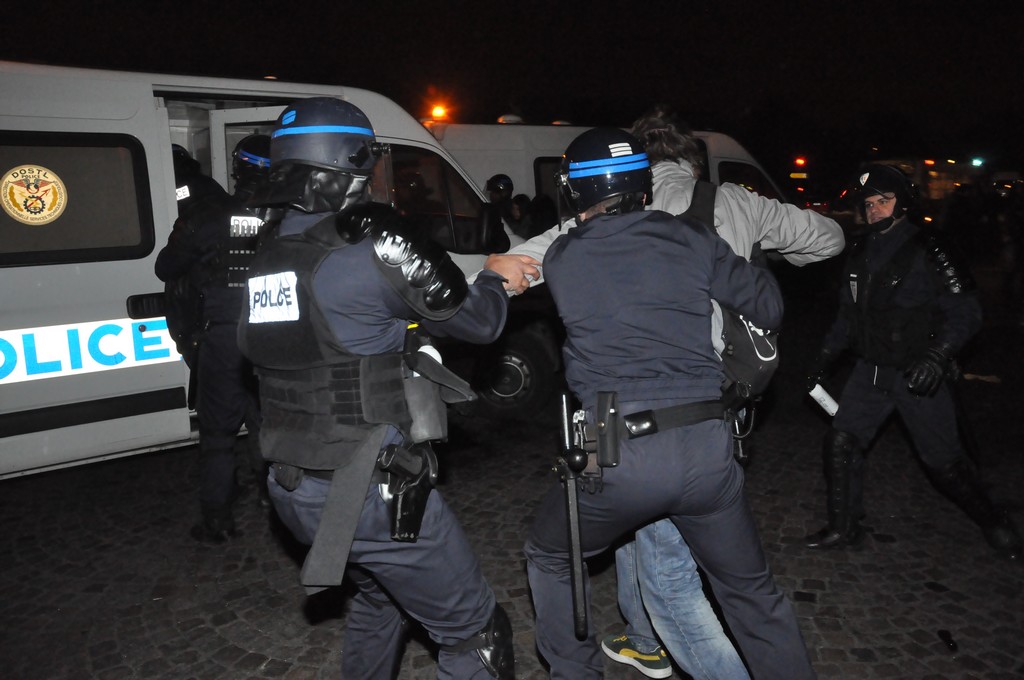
(870, 396)
(689, 475)
(436, 580)
(228, 397)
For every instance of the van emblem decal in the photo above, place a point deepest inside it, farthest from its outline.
(32, 194)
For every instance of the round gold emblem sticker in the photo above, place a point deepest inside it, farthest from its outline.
(33, 194)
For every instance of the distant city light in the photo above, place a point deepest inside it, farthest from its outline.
(800, 160)
(929, 162)
(977, 162)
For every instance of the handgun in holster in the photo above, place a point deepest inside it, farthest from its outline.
(411, 475)
(606, 424)
(600, 440)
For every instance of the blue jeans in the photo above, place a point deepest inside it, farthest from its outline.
(657, 572)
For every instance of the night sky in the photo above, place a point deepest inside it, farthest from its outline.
(825, 79)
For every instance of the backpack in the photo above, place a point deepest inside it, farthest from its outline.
(751, 355)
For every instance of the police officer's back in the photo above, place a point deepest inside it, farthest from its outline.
(204, 265)
(634, 290)
(340, 301)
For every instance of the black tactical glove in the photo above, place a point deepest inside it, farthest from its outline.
(821, 367)
(926, 374)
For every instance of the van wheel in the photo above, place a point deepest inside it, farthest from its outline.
(517, 379)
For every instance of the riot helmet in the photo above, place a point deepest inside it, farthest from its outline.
(184, 165)
(605, 163)
(191, 186)
(250, 164)
(499, 187)
(321, 156)
(323, 132)
(888, 181)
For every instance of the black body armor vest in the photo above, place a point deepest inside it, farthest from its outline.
(319, 401)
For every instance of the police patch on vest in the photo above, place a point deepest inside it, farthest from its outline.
(272, 298)
(245, 225)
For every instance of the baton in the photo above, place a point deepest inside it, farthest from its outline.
(572, 460)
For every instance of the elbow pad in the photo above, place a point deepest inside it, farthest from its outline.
(418, 269)
(951, 270)
(355, 223)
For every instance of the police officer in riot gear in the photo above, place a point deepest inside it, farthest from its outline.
(907, 309)
(639, 357)
(250, 165)
(351, 397)
(204, 265)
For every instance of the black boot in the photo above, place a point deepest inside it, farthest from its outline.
(843, 527)
(216, 527)
(960, 484)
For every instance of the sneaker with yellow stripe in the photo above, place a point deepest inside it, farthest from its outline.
(652, 664)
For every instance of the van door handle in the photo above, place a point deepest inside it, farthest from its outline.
(145, 306)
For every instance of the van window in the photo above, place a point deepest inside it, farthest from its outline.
(432, 195)
(747, 176)
(73, 198)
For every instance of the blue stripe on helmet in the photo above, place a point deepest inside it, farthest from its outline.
(253, 159)
(609, 169)
(324, 130)
(579, 165)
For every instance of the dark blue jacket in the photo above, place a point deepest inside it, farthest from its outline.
(634, 292)
(896, 303)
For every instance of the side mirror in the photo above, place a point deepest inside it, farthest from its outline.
(493, 237)
(481, 236)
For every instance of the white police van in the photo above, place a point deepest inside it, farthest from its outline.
(87, 199)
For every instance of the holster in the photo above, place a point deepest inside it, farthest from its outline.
(607, 422)
(429, 386)
(590, 477)
(411, 474)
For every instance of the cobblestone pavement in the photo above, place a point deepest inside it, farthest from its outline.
(99, 578)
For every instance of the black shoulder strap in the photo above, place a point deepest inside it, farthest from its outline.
(702, 204)
(702, 207)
